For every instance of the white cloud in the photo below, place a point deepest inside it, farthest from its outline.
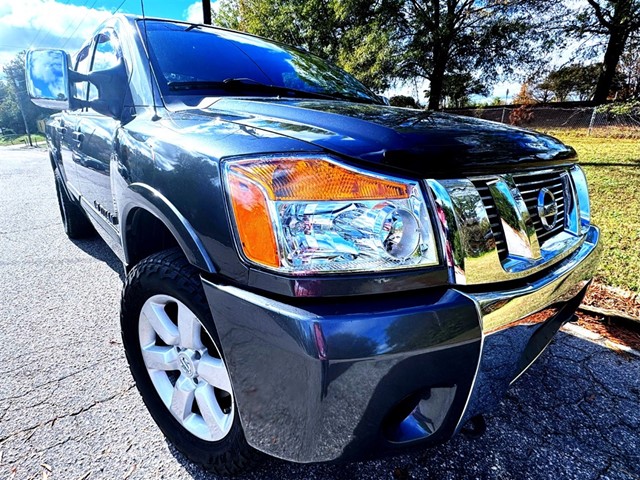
(45, 24)
(193, 14)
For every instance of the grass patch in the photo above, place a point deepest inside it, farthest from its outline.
(612, 166)
(36, 138)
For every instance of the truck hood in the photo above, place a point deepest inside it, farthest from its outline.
(418, 142)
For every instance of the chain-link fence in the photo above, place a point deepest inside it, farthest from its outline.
(593, 121)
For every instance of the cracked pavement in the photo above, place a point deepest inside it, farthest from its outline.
(69, 409)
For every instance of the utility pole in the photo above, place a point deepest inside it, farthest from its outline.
(504, 108)
(206, 12)
(14, 82)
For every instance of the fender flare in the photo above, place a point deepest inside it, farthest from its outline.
(140, 195)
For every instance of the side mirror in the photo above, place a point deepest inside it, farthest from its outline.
(47, 73)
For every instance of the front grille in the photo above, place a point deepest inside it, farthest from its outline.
(529, 185)
(494, 218)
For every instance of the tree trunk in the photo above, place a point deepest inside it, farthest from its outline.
(437, 82)
(612, 55)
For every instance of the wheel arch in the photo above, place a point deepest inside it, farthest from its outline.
(150, 223)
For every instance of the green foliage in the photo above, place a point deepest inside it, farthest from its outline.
(622, 108)
(13, 96)
(403, 101)
(492, 37)
(616, 25)
(355, 34)
(576, 79)
(9, 112)
(438, 40)
(457, 89)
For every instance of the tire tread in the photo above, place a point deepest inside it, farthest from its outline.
(172, 266)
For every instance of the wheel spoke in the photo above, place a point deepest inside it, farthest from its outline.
(161, 323)
(210, 410)
(182, 399)
(189, 328)
(161, 358)
(213, 371)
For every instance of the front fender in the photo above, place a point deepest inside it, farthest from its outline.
(140, 195)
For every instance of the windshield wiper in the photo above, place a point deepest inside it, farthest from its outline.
(255, 86)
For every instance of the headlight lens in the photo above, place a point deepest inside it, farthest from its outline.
(304, 215)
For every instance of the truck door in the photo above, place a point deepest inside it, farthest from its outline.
(97, 135)
(66, 123)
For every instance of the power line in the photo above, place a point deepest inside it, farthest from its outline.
(48, 32)
(119, 6)
(79, 23)
(85, 16)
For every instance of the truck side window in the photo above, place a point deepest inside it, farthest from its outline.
(107, 55)
(83, 61)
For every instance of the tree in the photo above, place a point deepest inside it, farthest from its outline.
(355, 34)
(16, 110)
(437, 40)
(524, 96)
(615, 21)
(579, 80)
(493, 37)
(629, 71)
(404, 101)
(457, 88)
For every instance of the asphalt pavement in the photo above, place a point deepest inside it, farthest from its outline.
(69, 410)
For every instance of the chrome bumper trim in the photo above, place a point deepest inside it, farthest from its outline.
(499, 310)
(504, 318)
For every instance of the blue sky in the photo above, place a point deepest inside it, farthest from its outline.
(66, 24)
(154, 8)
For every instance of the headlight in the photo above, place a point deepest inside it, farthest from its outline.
(311, 214)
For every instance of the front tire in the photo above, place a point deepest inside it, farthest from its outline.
(174, 356)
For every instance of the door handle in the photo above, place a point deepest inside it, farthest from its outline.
(78, 136)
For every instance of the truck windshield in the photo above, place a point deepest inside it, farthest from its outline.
(201, 60)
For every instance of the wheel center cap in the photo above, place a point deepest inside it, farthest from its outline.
(186, 364)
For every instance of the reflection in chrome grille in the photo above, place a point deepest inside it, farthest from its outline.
(529, 185)
(494, 218)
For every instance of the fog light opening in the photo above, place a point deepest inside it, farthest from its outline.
(475, 427)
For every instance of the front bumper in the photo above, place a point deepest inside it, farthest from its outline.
(346, 379)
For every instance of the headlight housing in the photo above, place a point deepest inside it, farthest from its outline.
(312, 214)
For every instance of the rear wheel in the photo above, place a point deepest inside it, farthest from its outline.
(174, 356)
(75, 222)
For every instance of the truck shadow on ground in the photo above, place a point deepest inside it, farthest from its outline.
(574, 414)
(99, 250)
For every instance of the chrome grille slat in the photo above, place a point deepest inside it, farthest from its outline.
(529, 186)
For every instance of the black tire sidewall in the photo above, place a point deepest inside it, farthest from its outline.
(143, 282)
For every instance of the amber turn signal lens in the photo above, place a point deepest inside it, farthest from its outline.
(253, 223)
(300, 179)
(311, 214)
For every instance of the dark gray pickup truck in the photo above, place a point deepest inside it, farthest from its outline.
(311, 273)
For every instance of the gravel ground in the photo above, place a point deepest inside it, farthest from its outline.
(69, 410)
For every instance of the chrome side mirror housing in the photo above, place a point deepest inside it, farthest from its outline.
(47, 75)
